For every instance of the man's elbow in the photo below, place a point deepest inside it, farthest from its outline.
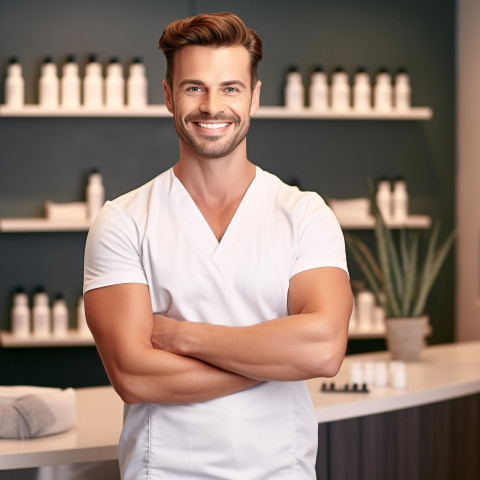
(329, 359)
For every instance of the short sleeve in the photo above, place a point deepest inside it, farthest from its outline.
(320, 238)
(112, 251)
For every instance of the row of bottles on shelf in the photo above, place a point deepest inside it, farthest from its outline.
(69, 91)
(379, 374)
(391, 197)
(43, 320)
(340, 96)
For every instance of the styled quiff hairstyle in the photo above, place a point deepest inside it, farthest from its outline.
(210, 29)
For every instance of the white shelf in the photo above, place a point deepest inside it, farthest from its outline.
(73, 338)
(37, 111)
(415, 113)
(12, 225)
(159, 111)
(413, 221)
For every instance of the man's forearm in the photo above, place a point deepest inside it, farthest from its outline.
(288, 348)
(163, 377)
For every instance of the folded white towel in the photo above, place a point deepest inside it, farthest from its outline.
(27, 412)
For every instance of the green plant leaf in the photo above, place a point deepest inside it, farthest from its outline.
(368, 265)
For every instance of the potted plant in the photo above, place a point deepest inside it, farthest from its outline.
(401, 279)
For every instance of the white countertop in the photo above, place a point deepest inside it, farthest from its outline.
(444, 372)
(93, 439)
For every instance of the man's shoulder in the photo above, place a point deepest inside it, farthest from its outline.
(290, 196)
(140, 196)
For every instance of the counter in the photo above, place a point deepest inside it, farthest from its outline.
(444, 372)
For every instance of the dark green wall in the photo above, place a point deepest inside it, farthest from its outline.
(49, 158)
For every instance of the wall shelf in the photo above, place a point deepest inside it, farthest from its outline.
(73, 338)
(267, 112)
(19, 225)
(412, 221)
(12, 225)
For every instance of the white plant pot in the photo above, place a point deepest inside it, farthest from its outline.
(406, 337)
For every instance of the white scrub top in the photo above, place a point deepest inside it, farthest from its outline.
(156, 235)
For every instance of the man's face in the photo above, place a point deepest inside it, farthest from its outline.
(211, 98)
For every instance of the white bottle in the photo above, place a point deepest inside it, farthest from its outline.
(93, 85)
(48, 88)
(383, 92)
(356, 373)
(137, 85)
(398, 375)
(14, 85)
(402, 92)
(340, 91)
(82, 326)
(381, 374)
(95, 194)
(384, 199)
(318, 91)
(294, 90)
(400, 200)
(362, 91)
(41, 314)
(365, 303)
(60, 316)
(114, 85)
(369, 373)
(70, 85)
(20, 315)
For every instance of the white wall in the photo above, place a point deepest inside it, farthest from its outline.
(468, 171)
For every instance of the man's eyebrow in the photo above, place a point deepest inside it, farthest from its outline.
(233, 82)
(222, 84)
(190, 82)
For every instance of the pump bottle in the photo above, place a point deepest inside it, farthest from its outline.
(60, 316)
(70, 84)
(14, 85)
(340, 91)
(137, 85)
(400, 200)
(48, 93)
(383, 92)
(95, 194)
(93, 84)
(402, 91)
(362, 91)
(20, 315)
(41, 314)
(114, 85)
(384, 198)
(294, 90)
(318, 91)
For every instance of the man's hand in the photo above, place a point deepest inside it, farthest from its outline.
(166, 333)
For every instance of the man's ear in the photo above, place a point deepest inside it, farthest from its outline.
(168, 96)
(255, 99)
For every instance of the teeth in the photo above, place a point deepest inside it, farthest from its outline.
(212, 125)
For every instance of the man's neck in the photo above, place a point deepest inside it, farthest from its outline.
(215, 180)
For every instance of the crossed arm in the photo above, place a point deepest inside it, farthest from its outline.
(156, 359)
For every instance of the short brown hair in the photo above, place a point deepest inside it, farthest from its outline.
(210, 29)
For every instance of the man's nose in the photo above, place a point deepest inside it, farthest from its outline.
(212, 103)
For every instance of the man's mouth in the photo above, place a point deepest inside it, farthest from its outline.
(212, 126)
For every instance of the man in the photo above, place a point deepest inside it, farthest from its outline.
(214, 289)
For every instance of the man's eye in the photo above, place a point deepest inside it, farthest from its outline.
(194, 89)
(231, 90)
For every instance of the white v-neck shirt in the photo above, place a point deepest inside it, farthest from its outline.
(157, 236)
